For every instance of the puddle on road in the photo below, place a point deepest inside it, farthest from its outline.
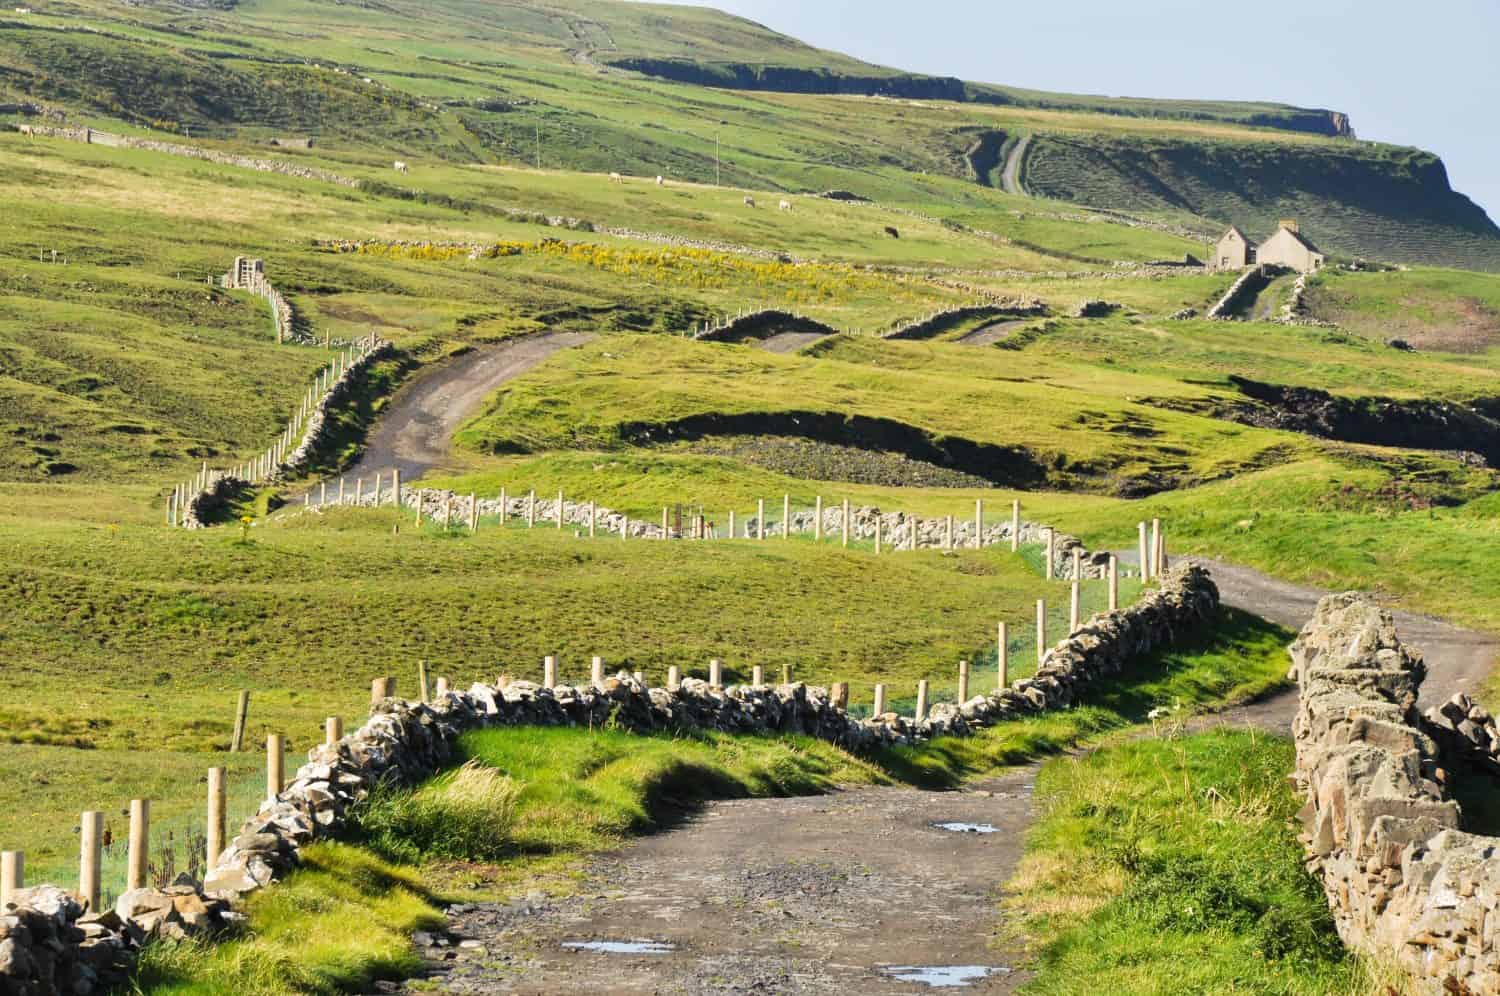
(967, 827)
(621, 947)
(944, 976)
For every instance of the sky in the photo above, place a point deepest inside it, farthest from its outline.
(1423, 74)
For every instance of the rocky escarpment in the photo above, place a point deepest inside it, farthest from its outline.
(787, 79)
(1402, 878)
(1420, 425)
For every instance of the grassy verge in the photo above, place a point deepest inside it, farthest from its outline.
(1171, 866)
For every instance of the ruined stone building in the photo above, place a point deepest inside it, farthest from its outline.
(1287, 248)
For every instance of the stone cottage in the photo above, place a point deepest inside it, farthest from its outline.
(1235, 251)
(1289, 249)
(1286, 248)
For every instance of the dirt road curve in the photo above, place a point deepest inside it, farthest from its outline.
(416, 431)
(821, 895)
(988, 335)
(1458, 660)
(1010, 178)
(790, 342)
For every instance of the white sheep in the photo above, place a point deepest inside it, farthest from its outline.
(660, 182)
(749, 202)
(616, 178)
(786, 205)
(401, 168)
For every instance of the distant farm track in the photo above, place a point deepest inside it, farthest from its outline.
(1010, 178)
(415, 434)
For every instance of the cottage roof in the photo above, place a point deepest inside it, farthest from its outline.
(1236, 230)
(1301, 239)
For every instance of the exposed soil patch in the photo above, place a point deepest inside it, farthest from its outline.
(852, 892)
(813, 460)
(1466, 433)
(1012, 465)
(1451, 325)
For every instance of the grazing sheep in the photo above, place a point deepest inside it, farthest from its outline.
(28, 131)
(786, 205)
(616, 178)
(660, 182)
(749, 202)
(401, 168)
(891, 231)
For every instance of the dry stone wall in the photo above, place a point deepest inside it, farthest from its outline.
(1402, 878)
(50, 946)
(926, 328)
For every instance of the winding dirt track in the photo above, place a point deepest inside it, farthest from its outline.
(416, 432)
(791, 342)
(1010, 178)
(988, 335)
(817, 895)
(803, 896)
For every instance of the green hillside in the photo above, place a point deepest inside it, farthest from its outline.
(555, 83)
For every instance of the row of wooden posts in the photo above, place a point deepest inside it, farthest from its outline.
(264, 465)
(1152, 539)
(12, 863)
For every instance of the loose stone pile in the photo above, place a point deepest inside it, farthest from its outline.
(1400, 875)
(47, 945)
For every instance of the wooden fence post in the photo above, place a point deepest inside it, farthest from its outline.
(1114, 583)
(963, 682)
(559, 510)
(844, 525)
(593, 517)
(731, 523)
(716, 673)
(1143, 552)
(979, 523)
(90, 844)
(422, 687)
(214, 832)
(664, 533)
(504, 506)
(1041, 630)
(818, 520)
(1074, 607)
(1078, 563)
(12, 876)
(674, 678)
(596, 672)
(531, 509)
(786, 674)
(138, 856)
(1002, 658)
(838, 695)
(757, 676)
(473, 513)
(1051, 553)
(947, 532)
(760, 519)
(442, 688)
(275, 766)
(396, 488)
(333, 730)
(878, 524)
(921, 712)
(879, 707)
(241, 711)
(786, 516)
(549, 671)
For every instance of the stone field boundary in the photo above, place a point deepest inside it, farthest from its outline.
(58, 943)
